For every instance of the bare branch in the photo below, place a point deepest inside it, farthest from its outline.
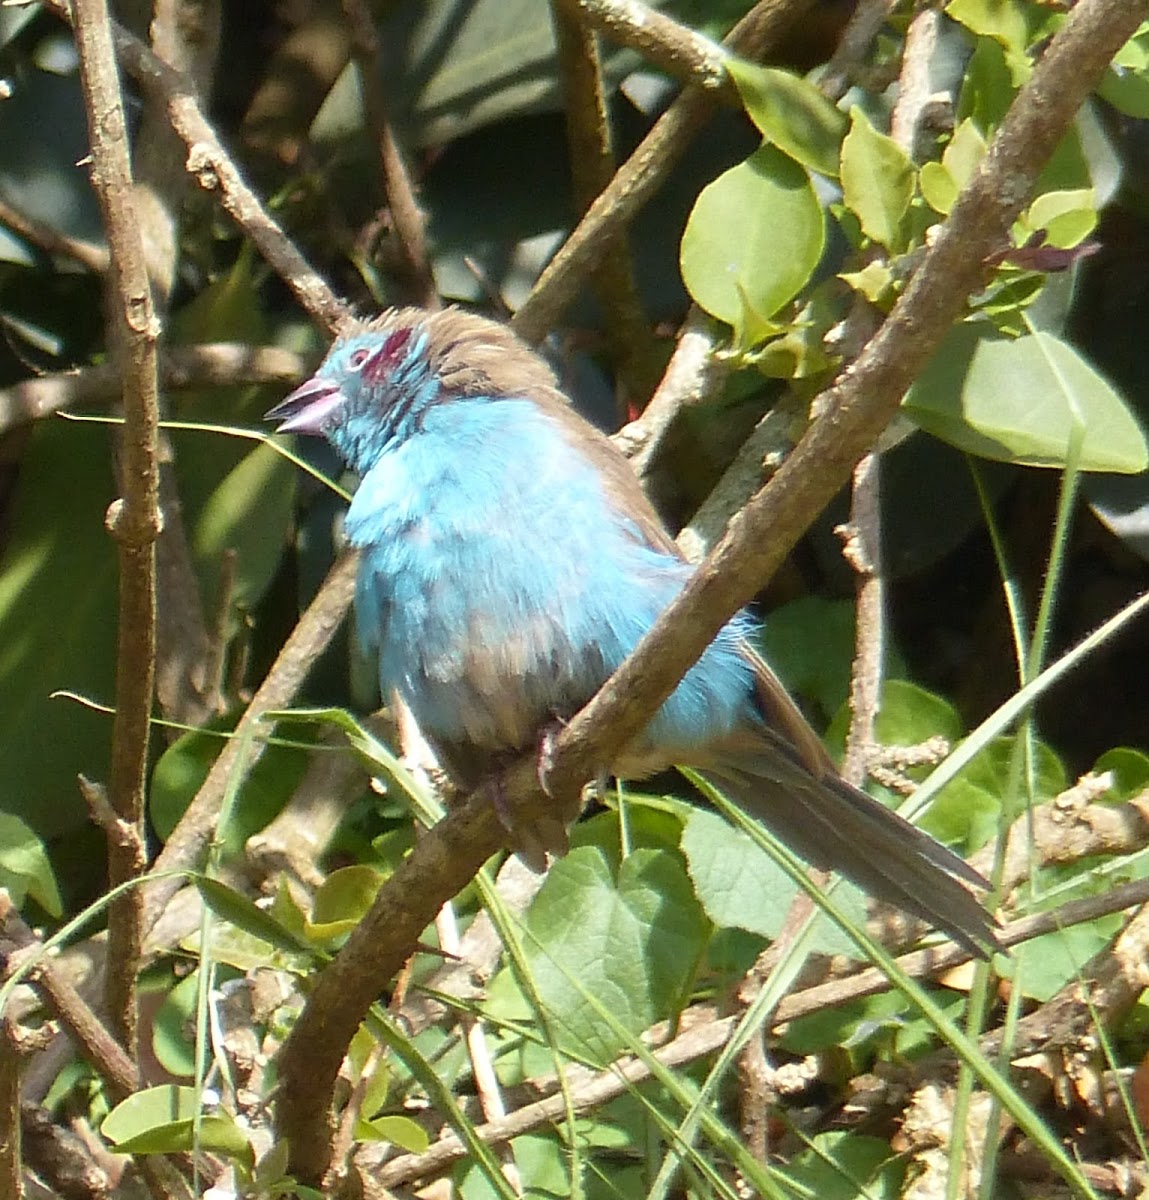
(134, 520)
(51, 241)
(642, 175)
(680, 51)
(213, 169)
(591, 153)
(211, 364)
(189, 840)
(406, 216)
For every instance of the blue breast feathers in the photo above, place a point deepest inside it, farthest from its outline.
(500, 587)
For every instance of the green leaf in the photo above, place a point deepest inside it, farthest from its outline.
(161, 1120)
(1126, 82)
(964, 152)
(1011, 24)
(341, 902)
(453, 70)
(753, 239)
(235, 908)
(1130, 769)
(842, 1165)
(1021, 400)
(941, 182)
(401, 1131)
(988, 87)
(939, 189)
(1044, 965)
(629, 939)
(1066, 217)
(184, 766)
(878, 181)
(810, 643)
(24, 866)
(875, 281)
(791, 113)
(171, 1043)
(235, 497)
(908, 716)
(741, 887)
(217, 1132)
(248, 513)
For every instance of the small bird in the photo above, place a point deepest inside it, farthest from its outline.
(511, 561)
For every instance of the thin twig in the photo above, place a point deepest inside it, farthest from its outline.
(62, 1159)
(758, 458)
(212, 364)
(185, 35)
(11, 1155)
(694, 375)
(680, 51)
(591, 153)
(51, 984)
(134, 520)
(856, 410)
(190, 838)
(406, 216)
(478, 1048)
(862, 549)
(50, 240)
(643, 174)
(1066, 831)
(213, 169)
(854, 45)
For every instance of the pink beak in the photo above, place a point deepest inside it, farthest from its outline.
(307, 408)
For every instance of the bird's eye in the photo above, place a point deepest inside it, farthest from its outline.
(358, 358)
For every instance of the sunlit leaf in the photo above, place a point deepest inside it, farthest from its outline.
(1021, 400)
(877, 180)
(57, 625)
(791, 113)
(162, 1120)
(754, 238)
(24, 866)
(402, 1131)
(628, 938)
(741, 887)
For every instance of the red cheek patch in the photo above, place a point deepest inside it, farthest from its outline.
(382, 363)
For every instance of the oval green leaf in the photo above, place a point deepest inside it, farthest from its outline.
(25, 869)
(401, 1131)
(791, 113)
(1023, 400)
(162, 1120)
(753, 240)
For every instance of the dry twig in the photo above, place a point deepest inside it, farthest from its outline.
(134, 520)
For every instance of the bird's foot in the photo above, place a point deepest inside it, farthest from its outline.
(544, 835)
(533, 840)
(568, 806)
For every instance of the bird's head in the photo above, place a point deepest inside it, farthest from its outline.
(379, 380)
